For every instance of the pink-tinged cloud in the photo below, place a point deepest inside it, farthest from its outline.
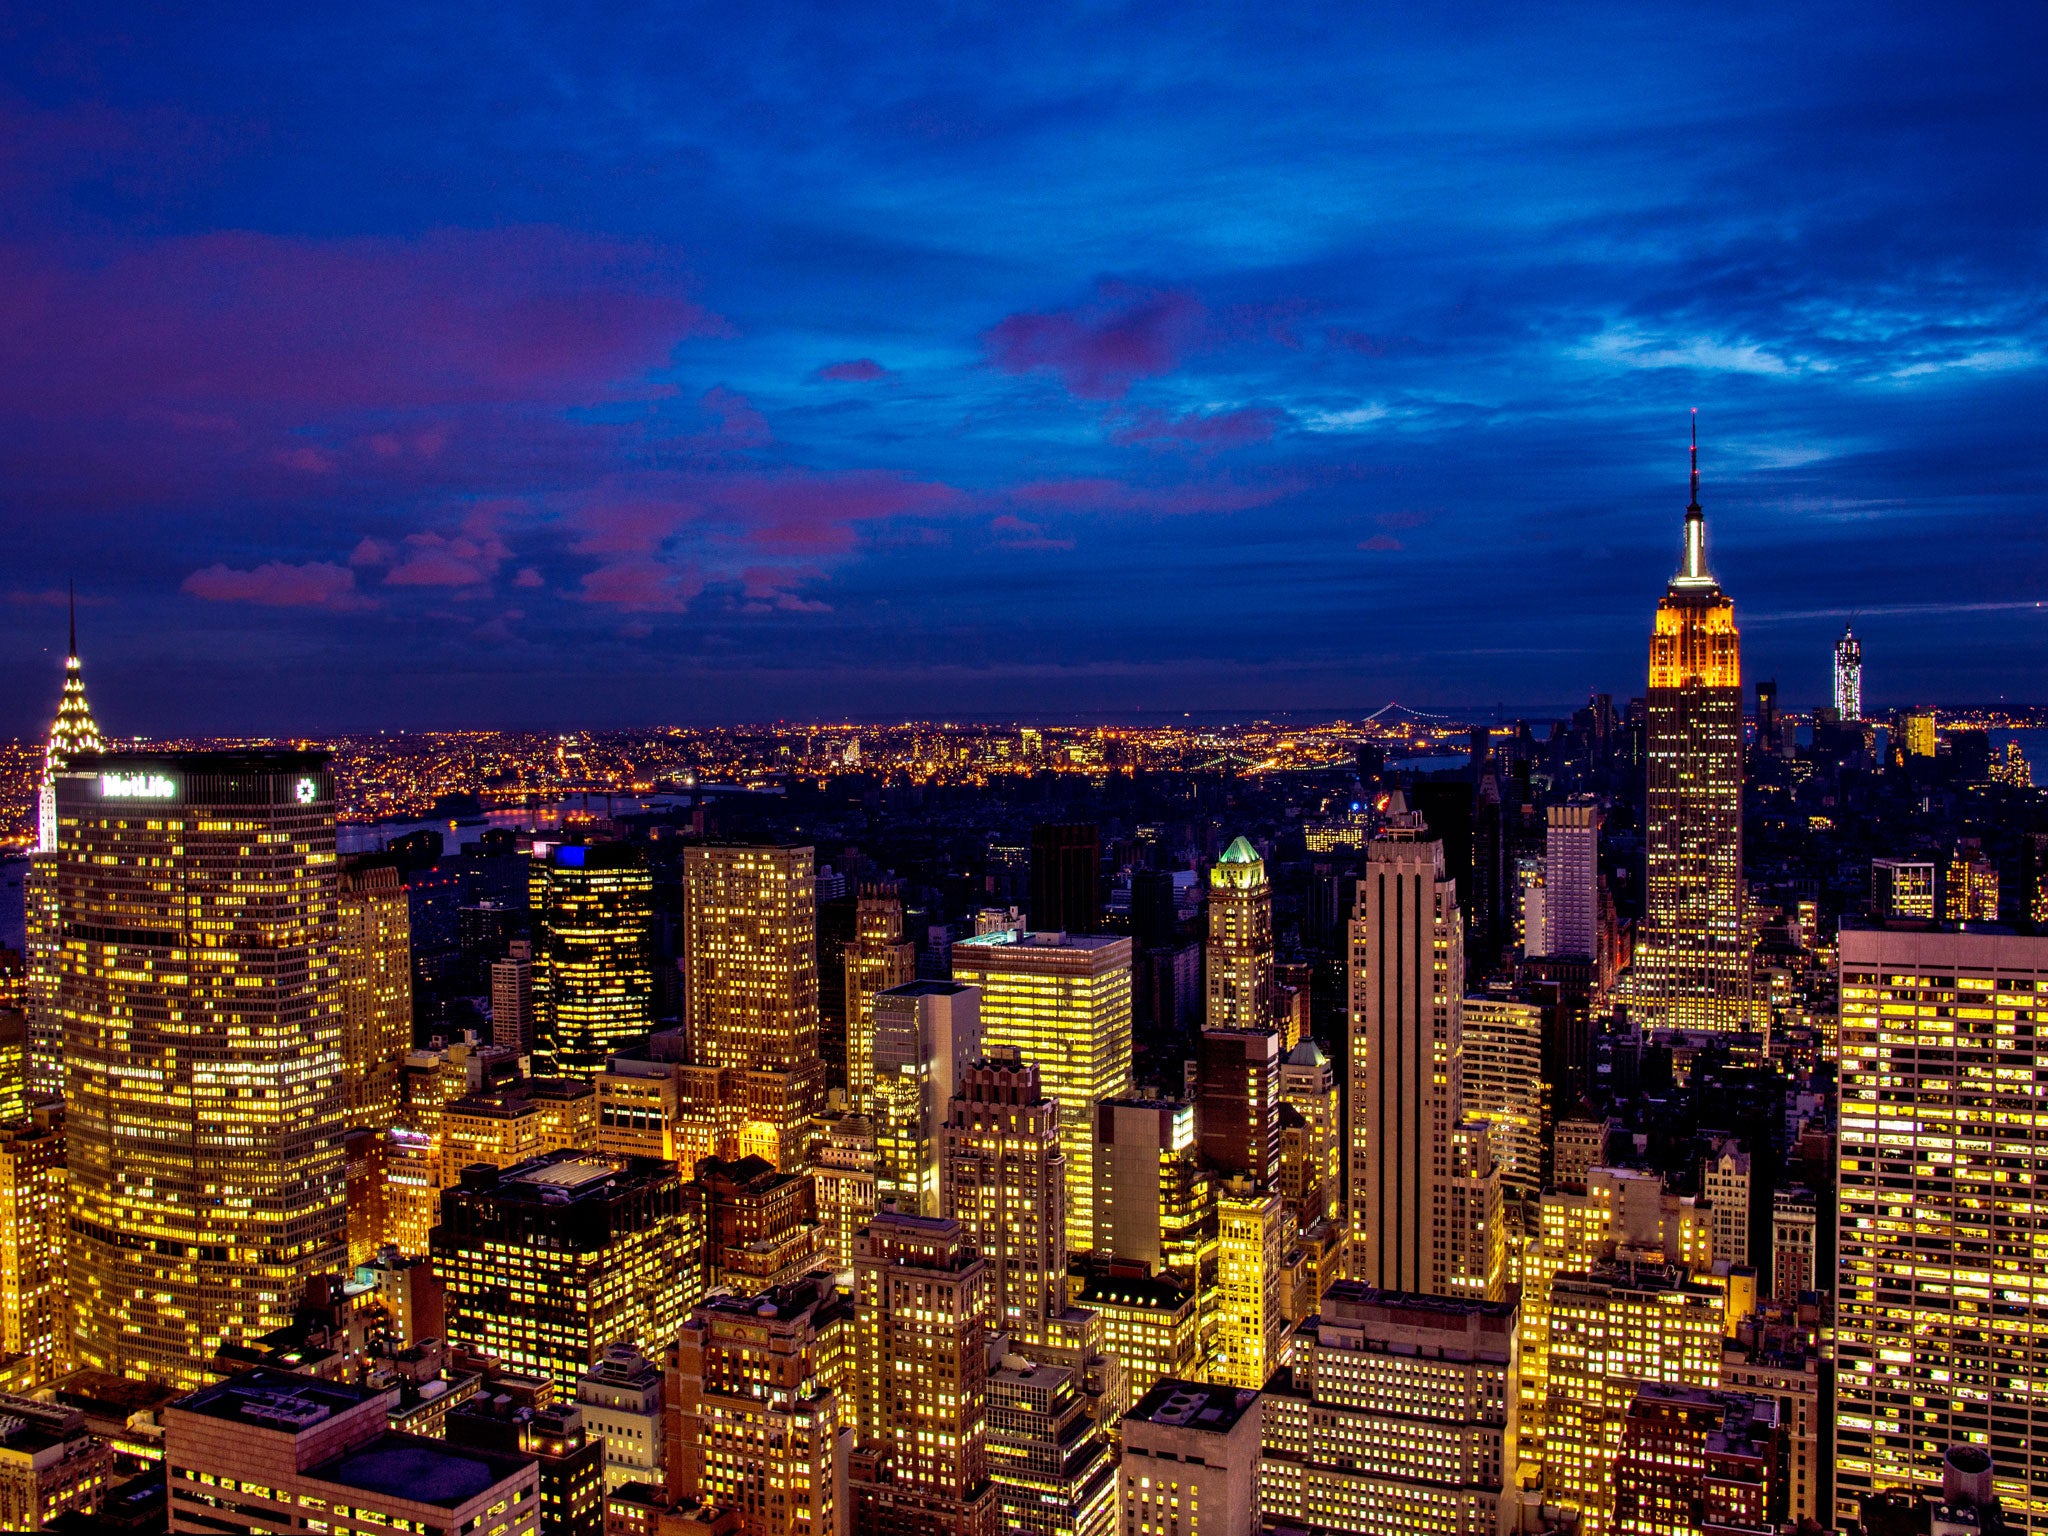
(466, 558)
(739, 424)
(1100, 348)
(1201, 429)
(632, 520)
(1380, 541)
(371, 552)
(765, 589)
(642, 585)
(855, 370)
(274, 584)
(798, 513)
(313, 461)
(1103, 495)
(528, 577)
(1015, 533)
(238, 323)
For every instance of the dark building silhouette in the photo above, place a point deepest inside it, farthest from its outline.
(1237, 1102)
(1066, 878)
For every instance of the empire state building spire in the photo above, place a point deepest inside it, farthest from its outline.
(1695, 520)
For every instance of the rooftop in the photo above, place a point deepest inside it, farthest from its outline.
(1194, 1405)
(275, 1400)
(1019, 938)
(928, 989)
(415, 1467)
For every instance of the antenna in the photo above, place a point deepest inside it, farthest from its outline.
(71, 590)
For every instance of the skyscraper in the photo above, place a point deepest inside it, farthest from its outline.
(1849, 676)
(1503, 1084)
(550, 1260)
(73, 733)
(376, 994)
(1251, 1231)
(201, 997)
(921, 1381)
(1692, 960)
(750, 936)
(878, 958)
(33, 1319)
(1237, 1101)
(1571, 879)
(1941, 1331)
(1063, 1001)
(1155, 1204)
(1004, 1179)
(1240, 950)
(512, 1022)
(593, 964)
(1066, 878)
(925, 1035)
(1407, 970)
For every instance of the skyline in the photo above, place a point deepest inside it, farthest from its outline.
(387, 373)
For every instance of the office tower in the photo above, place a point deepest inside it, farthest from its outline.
(620, 1397)
(1066, 878)
(925, 1035)
(1398, 1414)
(1571, 879)
(1149, 1321)
(1486, 902)
(1902, 888)
(512, 1020)
(1240, 949)
(33, 1319)
(1849, 677)
(1695, 1461)
(14, 1054)
(1503, 1083)
(1154, 1203)
(1050, 1463)
(1795, 1219)
(761, 1226)
(1916, 729)
(1063, 1001)
(1941, 1322)
(1969, 885)
(921, 1383)
(1237, 1101)
(1191, 1461)
(509, 1125)
(1308, 1086)
(514, 1415)
(1770, 725)
(376, 994)
(878, 958)
(200, 995)
(1406, 989)
(1004, 1179)
(1725, 1185)
(1692, 958)
(843, 1174)
(1615, 1329)
(258, 1450)
(593, 960)
(751, 985)
(755, 1391)
(1251, 1234)
(547, 1262)
(54, 1471)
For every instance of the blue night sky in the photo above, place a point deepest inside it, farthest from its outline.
(536, 364)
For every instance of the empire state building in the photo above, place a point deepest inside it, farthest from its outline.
(1692, 962)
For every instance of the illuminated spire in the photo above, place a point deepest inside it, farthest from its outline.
(74, 730)
(1695, 521)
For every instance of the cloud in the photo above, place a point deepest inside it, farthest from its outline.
(857, 370)
(313, 461)
(1015, 533)
(1201, 429)
(371, 552)
(1632, 348)
(765, 589)
(739, 424)
(642, 585)
(275, 584)
(1380, 541)
(529, 577)
(467, 558)
(1095, 494)
(1099, 349)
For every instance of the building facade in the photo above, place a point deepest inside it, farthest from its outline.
(1941, 1316)
(376, 994)
(1063, 1002)
(1004, 1179)
(199, 989)
(593, 963)
(1240, 947)
(1692, 956)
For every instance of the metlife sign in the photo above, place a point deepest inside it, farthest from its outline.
(139, 785)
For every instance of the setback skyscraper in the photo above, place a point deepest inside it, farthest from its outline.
(1849, 676)
(201, 997)
(1692, 961)
(1240, 951)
